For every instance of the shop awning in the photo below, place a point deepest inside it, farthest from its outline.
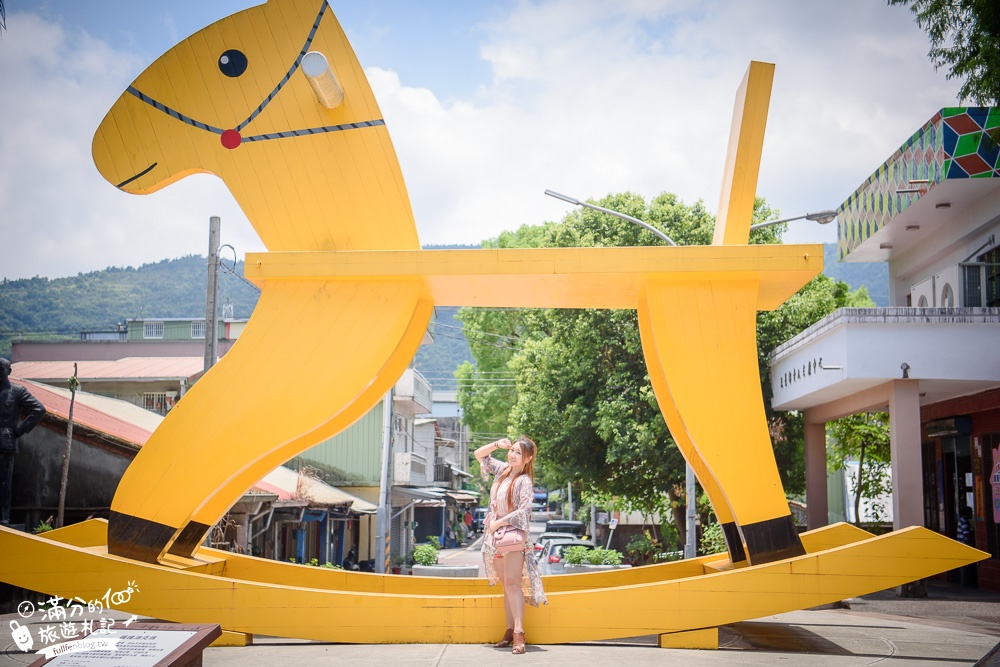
(425, 496)
(458, 471)
(292, 485)
(462, 497)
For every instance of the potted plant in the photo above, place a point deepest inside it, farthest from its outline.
(644, 549)
(397, 564)
(581, 559)
(408, 562)
(425, 554)
(426, 564)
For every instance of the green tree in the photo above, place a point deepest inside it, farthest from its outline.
(863, 438)
(582, 388)
(965, 37)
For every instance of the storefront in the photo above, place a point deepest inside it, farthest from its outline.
(961, 464)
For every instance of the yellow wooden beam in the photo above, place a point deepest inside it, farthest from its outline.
(709, 484)
(553, 277)
(606, 613)
(715, 354)
(92, 535)
(703, 638)
(229, 638)
(264, 402)
(746, 143)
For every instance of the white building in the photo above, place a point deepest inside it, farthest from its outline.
(932, 359)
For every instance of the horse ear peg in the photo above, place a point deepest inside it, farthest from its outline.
(322, 80)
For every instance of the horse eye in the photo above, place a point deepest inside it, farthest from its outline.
(232, 63)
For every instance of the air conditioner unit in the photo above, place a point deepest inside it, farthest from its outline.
(401, 469)
(948, 287)
(409, 468)
(922, 294)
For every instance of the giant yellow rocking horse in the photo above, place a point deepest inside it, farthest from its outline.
(273, 101)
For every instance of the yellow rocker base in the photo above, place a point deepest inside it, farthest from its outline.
(669, 598)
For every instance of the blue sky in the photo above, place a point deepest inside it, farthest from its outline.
(488, 103)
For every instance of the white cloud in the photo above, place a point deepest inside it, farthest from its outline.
(594, 97)
(57, 215)
(586, 97)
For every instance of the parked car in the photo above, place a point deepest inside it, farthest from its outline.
(551, 559)
(577, 528)
(478, 516)
(545, 538)
(538, 507)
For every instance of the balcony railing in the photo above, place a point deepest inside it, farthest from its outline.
(981, 284)
(443, 473)
(413, 394)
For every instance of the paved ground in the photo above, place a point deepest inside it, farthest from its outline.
(952, 626)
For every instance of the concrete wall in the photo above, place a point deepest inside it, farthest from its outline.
(94, 473)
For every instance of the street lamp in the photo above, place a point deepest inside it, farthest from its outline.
(577, 202)
(689, 548)
(823, 218)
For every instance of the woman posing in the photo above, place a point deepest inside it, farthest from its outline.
(510, 505)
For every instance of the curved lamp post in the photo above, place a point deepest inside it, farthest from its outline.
(637, 221)
(823, 218)
(689, 548)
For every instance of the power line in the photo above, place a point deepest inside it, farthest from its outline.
(477, 331)
(500, 374)
(231, 268)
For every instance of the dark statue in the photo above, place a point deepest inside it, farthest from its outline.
(13, 400)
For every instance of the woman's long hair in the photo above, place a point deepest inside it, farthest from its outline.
(528, 449)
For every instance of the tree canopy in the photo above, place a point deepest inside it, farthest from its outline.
(576, 380)
(864, 438)
(965, 38)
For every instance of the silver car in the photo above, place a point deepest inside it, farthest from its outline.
(544, 538)
(550, 558)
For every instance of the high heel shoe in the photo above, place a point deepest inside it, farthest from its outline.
(508, 637)
(518, 640)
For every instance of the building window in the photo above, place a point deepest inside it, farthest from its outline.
(973, 289)
(198, 329)
(991, 277)
(152, 329)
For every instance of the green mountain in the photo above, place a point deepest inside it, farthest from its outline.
(874, 276)
(437, 362)
(61, 308)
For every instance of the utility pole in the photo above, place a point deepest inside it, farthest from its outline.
(211, 307)
(691, 517)
(382, 517)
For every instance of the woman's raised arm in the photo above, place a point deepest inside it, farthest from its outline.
(488, 449)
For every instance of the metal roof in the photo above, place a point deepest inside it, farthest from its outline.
(291, 485)
(129, 368)
(107, 415)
